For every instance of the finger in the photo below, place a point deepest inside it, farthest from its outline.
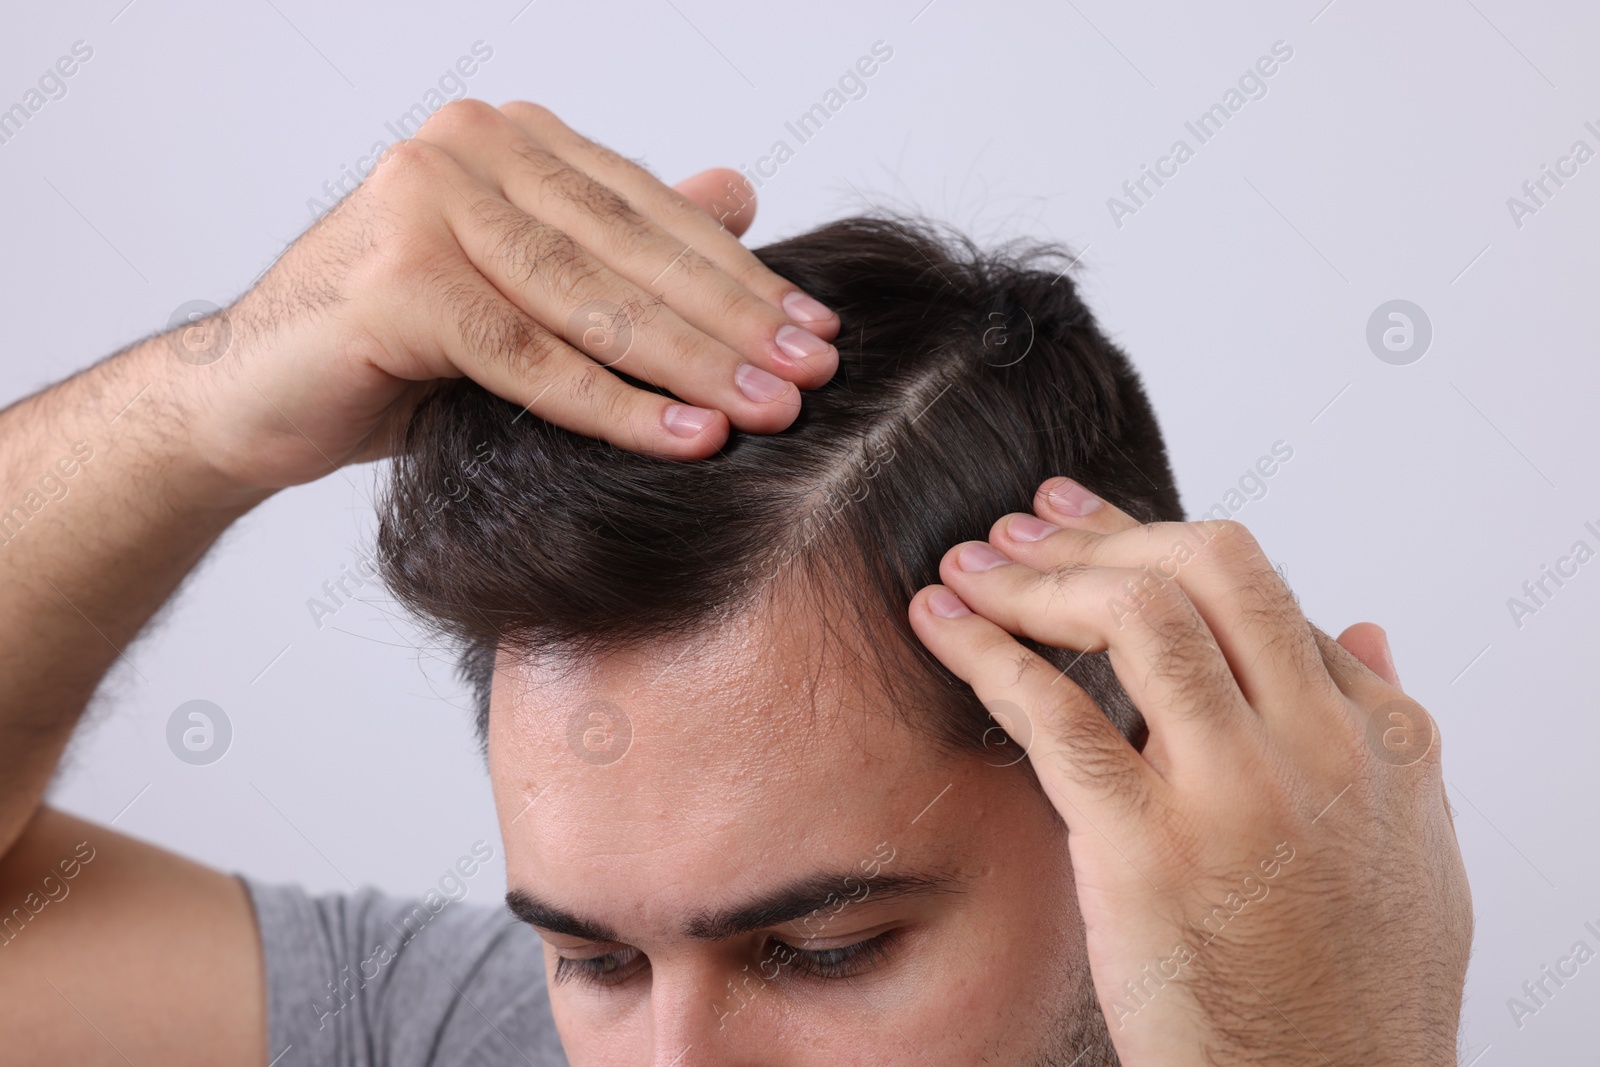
(1218, 563)
(1095, 778)
(723, 195)
(486, 337)
(1369, 643)
(601, 221)
(1399, 731)
(1161, 649)
(1069, 503)
(675, 213)
(555, 281)
(1353, 676)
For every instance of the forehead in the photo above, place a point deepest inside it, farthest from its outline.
(767, 745)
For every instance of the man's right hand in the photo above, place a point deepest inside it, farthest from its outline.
(496, 245)
(501, 245)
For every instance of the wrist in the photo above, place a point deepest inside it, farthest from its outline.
(167, 412)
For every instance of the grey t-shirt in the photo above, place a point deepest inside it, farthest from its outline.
(366, 979)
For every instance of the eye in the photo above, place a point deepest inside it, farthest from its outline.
(610, 969)
(846, 961)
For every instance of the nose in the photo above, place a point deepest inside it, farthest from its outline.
(710, 1020)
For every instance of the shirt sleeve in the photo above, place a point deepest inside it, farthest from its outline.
(366, 979)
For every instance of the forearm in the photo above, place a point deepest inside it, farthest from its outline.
(105, 505)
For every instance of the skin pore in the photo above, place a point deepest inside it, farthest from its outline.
(775, 869)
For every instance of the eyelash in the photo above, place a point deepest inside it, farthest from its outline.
(845, 961)
(604, 971)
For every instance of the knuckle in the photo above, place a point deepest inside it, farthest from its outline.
(408, 168)
(567, 183)
(1090, 752)
(494, 331)
(677, 208)
(757, 276)
(609, 325)
(1063, 576)
(1341, 669)
(615, 160)
(532, 251)
(1192, 664)
(556, 251)
(1148, 598)
(754, 276)
(694, 263)
(585, 385)
(531, 115)
(640, 309)
(739, 305)
(1229, 543)
(442, 285)
(1265, 600)
(1183, 652)
(1401, 733)
(1283, 637)
(535, 156)
(1166, 611)
(398, 258)
(462, 116)
(572, 275)
(527, 347)
(605, 159)
(415, 157)
(613, 401)
(683, 348)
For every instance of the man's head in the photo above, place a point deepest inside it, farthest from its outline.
(720, 756)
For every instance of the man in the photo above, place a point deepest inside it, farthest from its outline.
(747, 821)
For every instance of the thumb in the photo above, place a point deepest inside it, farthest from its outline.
(723, 194)
(1367, 642)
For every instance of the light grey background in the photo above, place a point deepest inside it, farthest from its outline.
(1377, 166)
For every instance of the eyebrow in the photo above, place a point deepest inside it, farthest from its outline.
(795, 900)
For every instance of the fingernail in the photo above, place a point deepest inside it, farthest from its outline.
(979, 557)
(1070, 498)
(758, 384)
(800, 344)
(1030, 528)
(799, 306)
(946, 605)
(686, 421)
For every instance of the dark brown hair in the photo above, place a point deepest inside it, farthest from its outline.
(966, 378)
